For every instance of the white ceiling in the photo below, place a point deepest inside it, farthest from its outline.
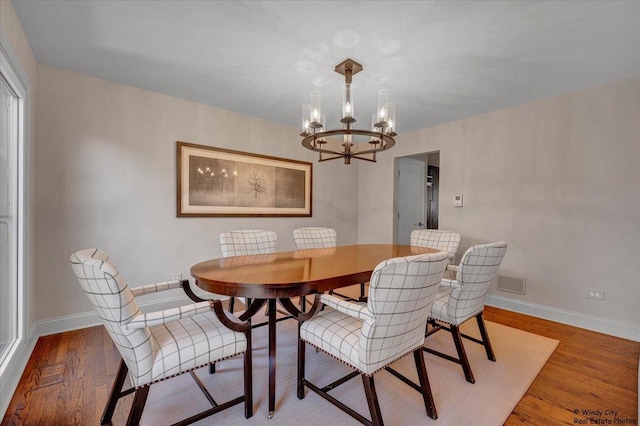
(440, 60)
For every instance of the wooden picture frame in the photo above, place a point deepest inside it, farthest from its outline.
(223, 182)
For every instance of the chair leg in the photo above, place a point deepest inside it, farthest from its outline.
(363, 296)
(427, 396)
(485, 337)
(139, 400)
(372, 400)
(212, 368)
(248, 379)
(232, 302)
(114, 395)
(301, 367)
(462, 355)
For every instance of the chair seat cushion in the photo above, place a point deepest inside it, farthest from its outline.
(335, 333)
(190, 343)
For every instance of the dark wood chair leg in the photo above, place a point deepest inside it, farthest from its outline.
(427, 396)
(114, 395)
(232, 303)
(139, 400)
(248, 379)
(372, 400)
(212, 368)
(462, 355)
(485, 337)
(301, 366)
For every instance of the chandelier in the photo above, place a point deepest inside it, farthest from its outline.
(354, 143)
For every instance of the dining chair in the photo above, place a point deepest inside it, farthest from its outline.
(246, 242)
(314, 238)
(156, 346)
(463, 298)
(318, 237)
(448, 241)
(369, 337)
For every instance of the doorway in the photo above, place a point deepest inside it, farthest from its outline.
(417, 194)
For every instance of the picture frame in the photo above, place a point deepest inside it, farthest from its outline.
(222, 182)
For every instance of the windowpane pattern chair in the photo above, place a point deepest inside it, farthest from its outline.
(244, 242)
(316, 238)
(439, 239)
(463, 298)
(369, 337)
(159, 345)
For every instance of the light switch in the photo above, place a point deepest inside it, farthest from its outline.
(457, 201)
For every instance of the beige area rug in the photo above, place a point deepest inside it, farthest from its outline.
(498, 389)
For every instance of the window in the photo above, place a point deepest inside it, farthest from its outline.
(11, 214)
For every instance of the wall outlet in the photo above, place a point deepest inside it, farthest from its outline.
(174, 277)
(595, 294)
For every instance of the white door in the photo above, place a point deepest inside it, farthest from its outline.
(410, 209)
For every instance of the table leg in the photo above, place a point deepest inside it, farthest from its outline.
(272, 357)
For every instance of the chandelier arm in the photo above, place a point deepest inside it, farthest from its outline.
(357, 156)
(330, 158)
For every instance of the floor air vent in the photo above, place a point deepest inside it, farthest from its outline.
(511, 284)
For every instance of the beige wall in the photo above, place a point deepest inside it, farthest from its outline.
(558, 179)
(105, 172)
(15, 44)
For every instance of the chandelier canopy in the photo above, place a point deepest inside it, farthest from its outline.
(354, 143)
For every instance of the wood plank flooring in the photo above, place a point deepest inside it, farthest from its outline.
(69, 375)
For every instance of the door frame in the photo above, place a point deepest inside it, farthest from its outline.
(424, 157)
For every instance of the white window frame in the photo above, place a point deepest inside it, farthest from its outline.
(18, 348)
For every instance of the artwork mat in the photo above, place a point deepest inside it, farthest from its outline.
(187, 150)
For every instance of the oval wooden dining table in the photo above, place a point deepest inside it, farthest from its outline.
(276, 278)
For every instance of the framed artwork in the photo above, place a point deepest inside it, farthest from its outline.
(222, 182)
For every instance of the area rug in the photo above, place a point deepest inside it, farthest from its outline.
(499, 385)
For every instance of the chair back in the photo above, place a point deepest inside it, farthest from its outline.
(115, 305)
(243, 242)
(439, 239)
(476, 272)
(401, 292)
(314, 238)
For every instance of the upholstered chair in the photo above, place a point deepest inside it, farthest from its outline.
(314, 238)
(369, 337)
(463, 298)
(159, 345)
(244, 242)
(439, 239)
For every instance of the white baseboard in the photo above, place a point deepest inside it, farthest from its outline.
(589, 322)
(90, 319)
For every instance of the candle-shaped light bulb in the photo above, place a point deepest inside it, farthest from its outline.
(322, 124)
(316, 107)
(347, 101)
(306, 119)
(374, 120)
(391, 118)
(383, 95)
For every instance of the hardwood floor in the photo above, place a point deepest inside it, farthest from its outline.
(69, 375)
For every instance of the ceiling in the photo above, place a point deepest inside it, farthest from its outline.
(440, 60)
